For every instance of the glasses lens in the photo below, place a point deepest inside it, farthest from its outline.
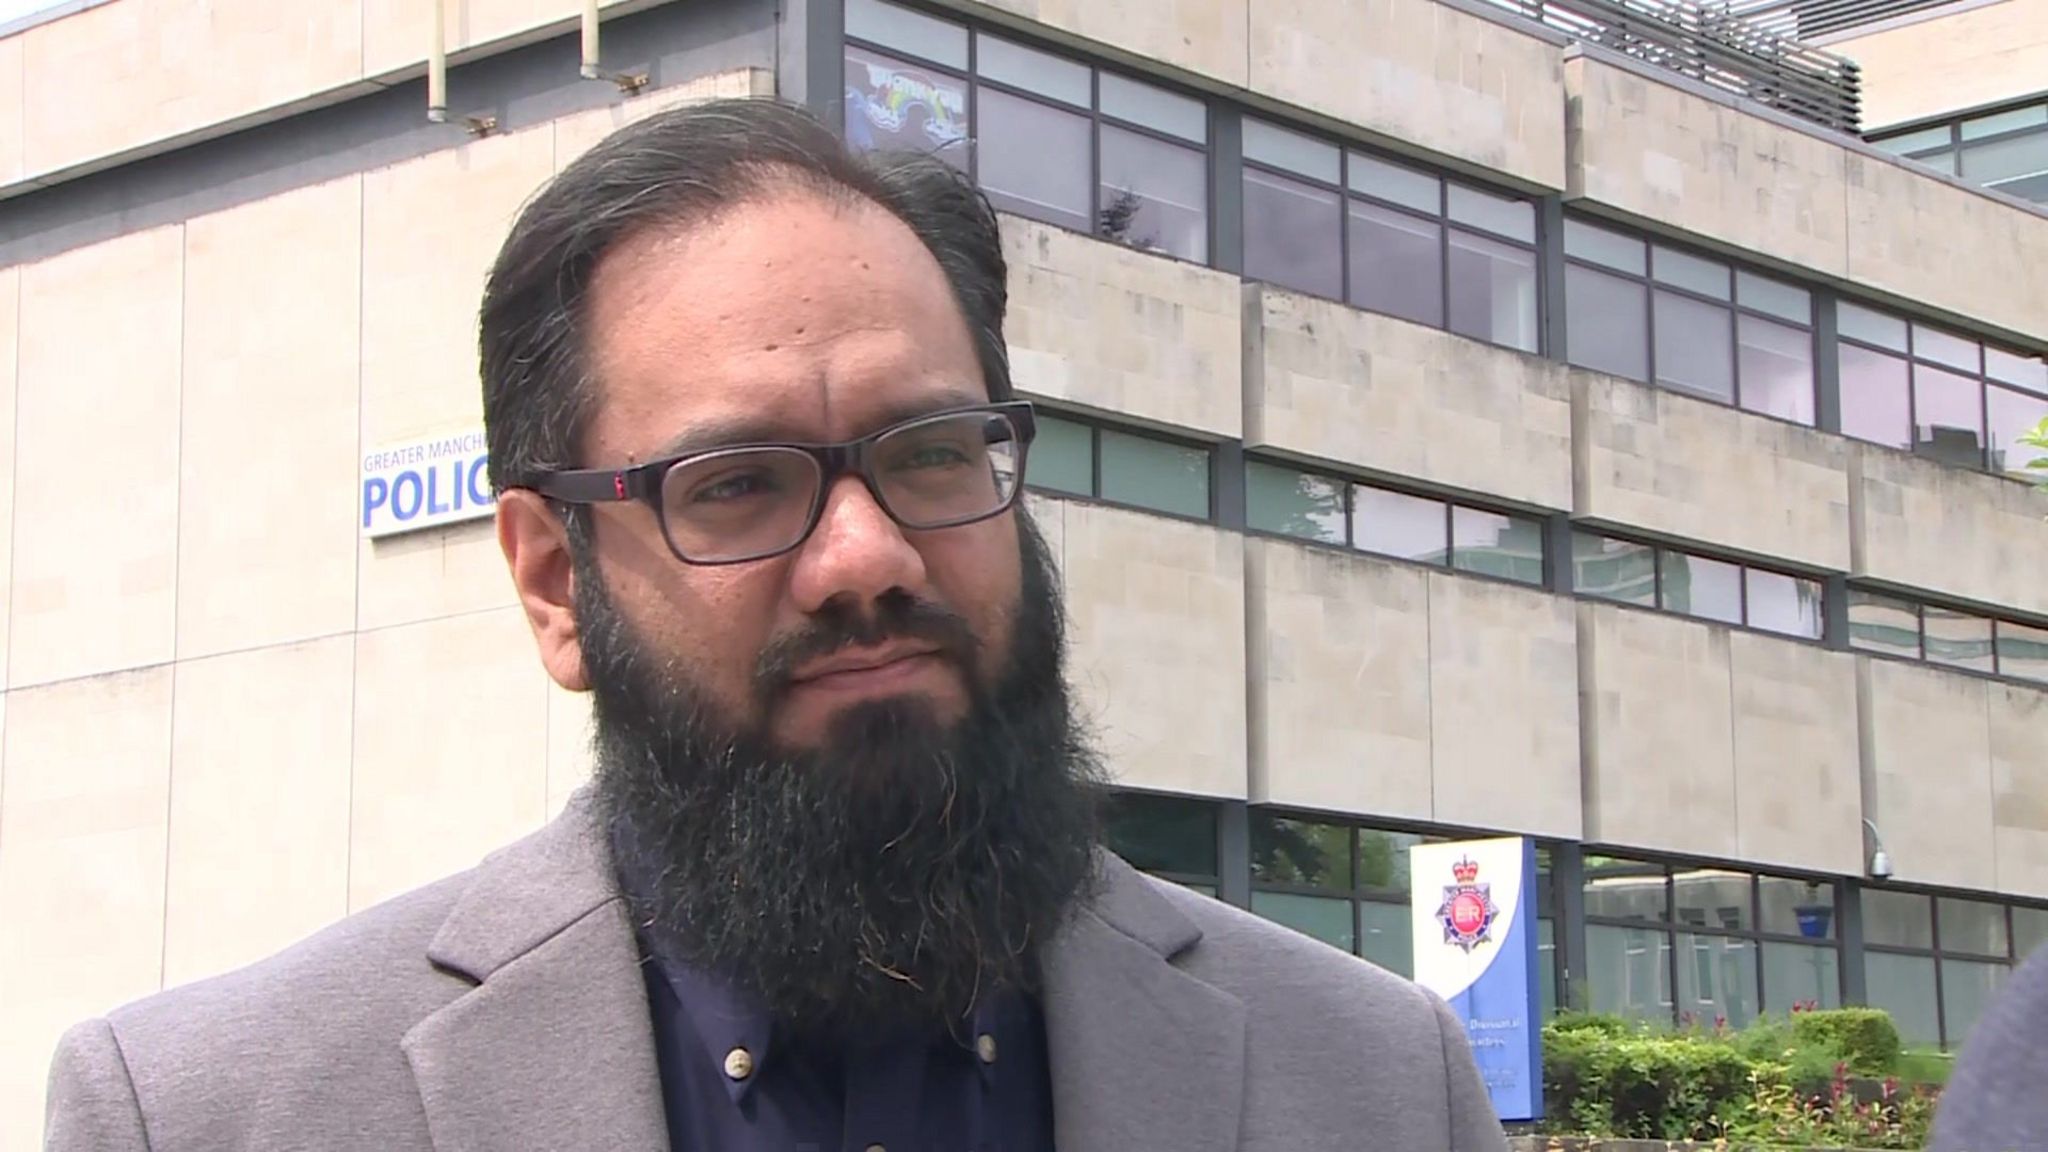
(949, 470)
(738, 504)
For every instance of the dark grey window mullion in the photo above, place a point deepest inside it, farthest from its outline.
(1827, 365)
(824, 75)
(1940, 1008)
(1226, 187)
(973, 84)
(1920, 628)
(1450, 532)
(1849, 938)
(1344, 226)
(1350, 513)
(1735, 346)
(1095, 462)
(1550, 266)
(1443, 263)
(1657, 602)
(1095, 162)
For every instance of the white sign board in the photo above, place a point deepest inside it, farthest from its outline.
(424, 484)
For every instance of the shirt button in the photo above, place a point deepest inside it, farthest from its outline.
(876, 1148)
(985, 1047)
(739, 1064)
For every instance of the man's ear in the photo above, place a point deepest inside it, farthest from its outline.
(536, 546)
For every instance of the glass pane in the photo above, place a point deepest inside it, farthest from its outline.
(1716, 980)
(1397, 264)
(2003, 160)
(1967, 987)
(1033, 71)
(1600, 246)
(1711, 898)
(1396, 184)
(1621, 889)
(1163, 833)
(1874, 400)
(2031, 116)
(1775, 297)
(1293, 503)
(1695, 347)
(1383, 860)
(1388, 938)
(1062, 457)
(1957, 639)
(1801, 976)
(1032, 158)
(1155, 474)
(1614, 569)
(1898, 918)
(1973, 926)
(1510, 547)
(1683, 270)
(1155, 195)
(2022, 652)
(1943, 348)
(1775, 362)
(1697, 586)
(1628, 971)
(907, 31)
(2029, 930)
(1155, 108)
(899, 106)
(2034, 188)
(2013, 415)
(1269, 144)
(1493, 291)
(1904, 987)
(1397, 524)
(1788, 605)
(1939, 136)
(1546, 966)
(2029, 372)
(1948, 417)
(1291, 233)
(1300, 852)
(1322, 917)
(1856, 322)
(1607, 323)
(1883, 624)
(1793, 907)
(1500, 215)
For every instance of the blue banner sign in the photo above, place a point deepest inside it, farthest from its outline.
(1474, 904)
(425, 484)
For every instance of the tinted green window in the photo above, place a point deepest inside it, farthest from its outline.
(1387, 936)
(1062, 457)
(1155, 474)
(1883, 624)
(1293, 503)
(1325, 918)
(1288, 851)
(1163, 833)
(1614, 569)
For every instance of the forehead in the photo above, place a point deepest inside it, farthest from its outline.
(792, 318)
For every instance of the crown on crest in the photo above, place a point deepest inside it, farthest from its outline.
(1465, 870)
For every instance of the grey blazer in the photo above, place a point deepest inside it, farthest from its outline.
(503, 1009)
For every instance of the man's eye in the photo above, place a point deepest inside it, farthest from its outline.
(730, 488)
(935, 456)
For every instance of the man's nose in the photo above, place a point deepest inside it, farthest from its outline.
(856, 552)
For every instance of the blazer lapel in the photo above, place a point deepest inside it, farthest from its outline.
(554, 1047)
(1145, 1058)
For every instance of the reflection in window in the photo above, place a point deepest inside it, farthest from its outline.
(1397, 524)
(1776, 363)
(1166, 835)
(1293, 503)
(1880, 623)
(1958, 639)
(1614, 569)
(1697, 586)
(1154, 195)
(1966, 987)
(2013, 414)
(1899, 919)
(1497, 544)
(896, 105)
(1155, 474)
(1387, 935)
(1784, 604)
(1801, 974)
(1904, 987)
(2023, 652)
(1041, 168)
(1300, 853)
(1948, 417)
(1288, 225)
(1628, 971)
(1323, 918)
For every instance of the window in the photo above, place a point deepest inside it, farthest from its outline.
(1120, 467)
(1052, 138)
(1649, 576)
(1427, 530)
(2006, 149)
(1953, 637)
(1173, 837)
(1698, 943)
(1939, 395)
(1934, 962)
(1343, 224)
(1692, 324)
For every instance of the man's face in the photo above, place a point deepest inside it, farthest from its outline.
(793, 319)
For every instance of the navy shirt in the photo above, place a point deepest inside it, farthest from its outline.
(731, 1084)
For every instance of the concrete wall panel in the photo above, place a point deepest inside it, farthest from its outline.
(13, 110)
(10, 349)
(1923, 525)
(1798, 800)
(1927, 781)
(1200, 36)
(1981, 55)
(2019, 787)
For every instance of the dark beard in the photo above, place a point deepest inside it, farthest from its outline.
(882, 883)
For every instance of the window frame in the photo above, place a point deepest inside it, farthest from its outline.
(1660, 551)
(1196, 880)
(1954, 148)
(1939, 952)
(1919, 606)
(1095, 427)
(1915, 361)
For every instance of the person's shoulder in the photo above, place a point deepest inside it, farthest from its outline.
(1993, 1100)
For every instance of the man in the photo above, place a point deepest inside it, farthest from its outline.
(1994, 1102)
(835, 883)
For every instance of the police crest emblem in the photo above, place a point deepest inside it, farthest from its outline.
(1468, 911)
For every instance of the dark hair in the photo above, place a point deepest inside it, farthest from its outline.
(677, 167)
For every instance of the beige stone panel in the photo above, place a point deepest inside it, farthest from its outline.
(1156, 609)
(451, 743)
(10, 347)
(1927, 781)
(1201, 36)
(119, 76)
(261, 745)
(1107, 327)
(85, 782)
(1651, 458)
(1504, 707)
(2019, 787)
(1419, 72)
(1923, 525)
(1337, 647)
(1050, 515)
(1328, 381)
(96, 493)
(577, 134)
(13, 98)
(1982, 55)
(266, 531)
(1712, 168)
(570, 759)
(1946, 247)
(1798, 798)
(1658, 731)
(395, 32)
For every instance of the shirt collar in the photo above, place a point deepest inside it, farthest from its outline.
(735, 1032)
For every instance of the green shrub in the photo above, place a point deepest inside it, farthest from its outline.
(1926, 1068)
(1865, 1038)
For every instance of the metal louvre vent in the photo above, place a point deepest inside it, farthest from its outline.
(1811, 18)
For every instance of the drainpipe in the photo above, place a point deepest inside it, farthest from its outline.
(590, 70)
(437, 68)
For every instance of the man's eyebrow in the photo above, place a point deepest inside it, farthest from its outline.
(766, 429)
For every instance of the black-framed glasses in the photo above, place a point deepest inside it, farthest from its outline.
(753, 501)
